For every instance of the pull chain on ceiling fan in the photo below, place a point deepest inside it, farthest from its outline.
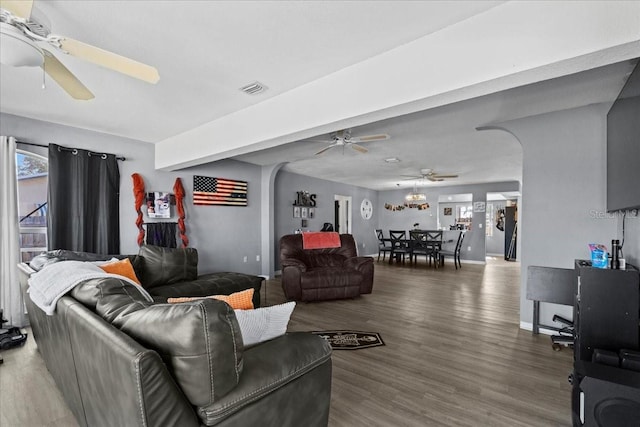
(22, 35)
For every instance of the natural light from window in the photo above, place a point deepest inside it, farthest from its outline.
(32, 172)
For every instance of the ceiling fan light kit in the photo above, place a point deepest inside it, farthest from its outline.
(17, 50)
(20, 34)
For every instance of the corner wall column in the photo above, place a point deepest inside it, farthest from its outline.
(267, 218)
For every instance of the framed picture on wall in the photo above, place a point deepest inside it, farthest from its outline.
(448, 211)
(478, 206)
(304, 213)
(312, 213)
(296, 211)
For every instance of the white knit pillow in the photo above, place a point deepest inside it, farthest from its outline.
(263, 324)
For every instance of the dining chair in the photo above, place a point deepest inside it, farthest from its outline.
(434, 242)
(418, 244)
(454, 253)
(384, 245)
(399, 246)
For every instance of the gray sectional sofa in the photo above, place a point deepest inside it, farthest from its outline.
(121, 360)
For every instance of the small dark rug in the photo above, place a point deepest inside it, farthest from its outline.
(351, 340)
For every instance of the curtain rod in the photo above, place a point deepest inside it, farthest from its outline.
(66, 149)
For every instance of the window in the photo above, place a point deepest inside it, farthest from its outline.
(32, 172)
(464, 214)
(490, 217)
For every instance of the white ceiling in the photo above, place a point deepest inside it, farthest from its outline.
(206, 50)
(445, 139)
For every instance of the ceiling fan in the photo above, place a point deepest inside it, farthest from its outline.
(22, 40)
(431, 175)
(343, 138)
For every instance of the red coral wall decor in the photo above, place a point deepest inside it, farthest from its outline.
(178, 190)
(140, 196)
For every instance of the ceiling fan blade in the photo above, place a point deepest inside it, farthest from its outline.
(19, 8)
(110, 60)
(370, 138)
(359, 148)
(325, 141)
(434, 179)
(65, 78)
(437, 175)
(325, 149)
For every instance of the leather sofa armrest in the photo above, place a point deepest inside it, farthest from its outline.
(272, 383)
(293, 262)
(363, 264)
(357, 263)
(292, 270)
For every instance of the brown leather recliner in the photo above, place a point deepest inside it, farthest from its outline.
(324, 274)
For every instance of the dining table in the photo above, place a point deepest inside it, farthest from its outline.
(434, 244)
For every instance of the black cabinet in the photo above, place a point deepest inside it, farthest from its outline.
(607, 312)
(607, 318)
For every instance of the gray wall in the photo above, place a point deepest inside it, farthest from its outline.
(404, 219)
(287, 184)
(563, 185)
(223, 235)
(631, 247)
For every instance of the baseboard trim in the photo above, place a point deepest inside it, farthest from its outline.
(471, 261)
(528, 326)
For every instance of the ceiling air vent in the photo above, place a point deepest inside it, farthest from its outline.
(253, 88)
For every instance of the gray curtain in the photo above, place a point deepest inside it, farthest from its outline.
(10, 294)
(83, 201)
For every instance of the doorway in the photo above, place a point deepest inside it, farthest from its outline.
(501, 226)
(342, 214)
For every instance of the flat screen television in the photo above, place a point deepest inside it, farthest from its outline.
(623, 147)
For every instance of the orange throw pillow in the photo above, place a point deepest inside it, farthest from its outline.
(121, 268)
(238, 301)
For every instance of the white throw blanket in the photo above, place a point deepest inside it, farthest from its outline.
(48, 285)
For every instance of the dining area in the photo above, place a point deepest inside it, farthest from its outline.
(434, 245)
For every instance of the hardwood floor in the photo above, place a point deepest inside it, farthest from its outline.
(454, 356)
(454, 353)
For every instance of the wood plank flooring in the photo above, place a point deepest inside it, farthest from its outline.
(454, 356)
(454, 353)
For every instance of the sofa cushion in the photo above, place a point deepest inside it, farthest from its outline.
(50, 257)
(109, 297)
(163, 266)
(121, 267)
(238, 300)
(264, 324)
(324, 260)
(223, 283)
(329, 277)
(200, 342)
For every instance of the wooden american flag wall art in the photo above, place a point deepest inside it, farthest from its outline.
(219, 191)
